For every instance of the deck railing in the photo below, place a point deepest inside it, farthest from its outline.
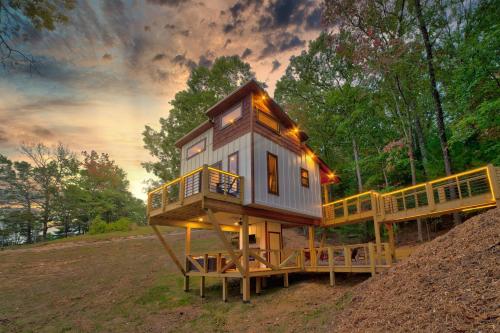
(468, 189)
(206, 181)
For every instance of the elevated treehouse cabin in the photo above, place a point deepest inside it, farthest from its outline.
(248, 170)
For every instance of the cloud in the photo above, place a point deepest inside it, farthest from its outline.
(4, 138)
(313, 20)
(246, 53)
(276, 65)
(169, 26)
(280, 42)
(159, 57)
(42, 104)
(42, 132)
(181, 60)
(171, 3)
(107, 57)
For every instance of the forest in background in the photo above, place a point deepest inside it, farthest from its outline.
(54, 188)
(391, 93)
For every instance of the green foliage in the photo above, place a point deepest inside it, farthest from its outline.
(99, 226)
(205, 87)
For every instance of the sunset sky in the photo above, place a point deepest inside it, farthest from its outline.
(116, 65)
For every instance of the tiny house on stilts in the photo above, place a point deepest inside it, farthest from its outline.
(247, 171)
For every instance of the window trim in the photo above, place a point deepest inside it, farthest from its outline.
(270, 115)
(204, 140)
(277, 175)
(301, 178)
(240, 106)
(236, 153)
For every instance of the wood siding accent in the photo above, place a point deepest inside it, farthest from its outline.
(224, 135)
(293, 196)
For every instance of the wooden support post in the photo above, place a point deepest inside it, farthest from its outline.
(387, 254)
(224, 289)
(392, 245)
(258, 285)
(202, 286)
(168, 249)
(378, 241)
(246, 266)
(285, 280)
(325, 193)
(347, 257)
(371, 251)
(323, 238)
(187, 252)
(430, 196)
(312, 253)
(330, 266)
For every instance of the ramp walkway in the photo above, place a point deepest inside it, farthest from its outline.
(469, 190)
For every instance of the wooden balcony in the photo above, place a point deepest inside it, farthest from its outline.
(478, 188)
(183, 199)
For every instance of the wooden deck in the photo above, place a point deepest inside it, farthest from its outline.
(185, 199)
(479, 188)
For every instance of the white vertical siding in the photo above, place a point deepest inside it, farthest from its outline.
(242, 145)
(292, 195)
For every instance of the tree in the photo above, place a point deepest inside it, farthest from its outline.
(205, 87)
(15, 15)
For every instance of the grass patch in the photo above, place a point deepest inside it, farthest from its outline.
(166, 294)
(343, 301)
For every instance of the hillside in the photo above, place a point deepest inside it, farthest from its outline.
(450, 284)
(130, 285)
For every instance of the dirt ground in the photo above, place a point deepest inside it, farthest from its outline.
(130, 285)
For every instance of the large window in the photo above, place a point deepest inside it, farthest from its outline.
(197, 148)
(267, 120)
(272, 174)
(304, 177)
(230, 116)
(233, 163)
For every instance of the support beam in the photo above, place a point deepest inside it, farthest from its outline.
(224, 289)
(389, 227)
(202, 286)
(169, 250)
(258, 285)
(312, 251)
(187, 253)
(371, 251)
(285, 280)
(223, 239)
(330, 266)
(378, 241)
(245, 260)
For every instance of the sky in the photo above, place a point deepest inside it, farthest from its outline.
(114, 67)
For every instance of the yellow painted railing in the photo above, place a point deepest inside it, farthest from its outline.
(463, 191)
(204, 181)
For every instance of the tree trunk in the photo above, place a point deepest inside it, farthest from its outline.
(29, 226)
(421, 143)
(435, 93)
(356, 163)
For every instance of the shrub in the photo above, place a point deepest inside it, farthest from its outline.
(99, 226)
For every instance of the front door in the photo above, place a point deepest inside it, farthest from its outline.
(274, 246)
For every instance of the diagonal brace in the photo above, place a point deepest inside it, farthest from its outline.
(168, 249)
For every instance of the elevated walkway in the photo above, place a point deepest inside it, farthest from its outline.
(474, 189)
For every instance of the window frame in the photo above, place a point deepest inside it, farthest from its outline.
(236, 153)
(302, 178)
(225, 113)
(269, 190)
(272, 117)
(204, 140)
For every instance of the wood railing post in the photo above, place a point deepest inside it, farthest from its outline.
(378, 240)
(347, 257)
(430, 196)
(387, 254)
(205, 179)
(182, 189)
(312, 251)
(164, 198)
(494, 183)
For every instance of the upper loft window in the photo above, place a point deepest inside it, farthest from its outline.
(304, 177)
(266, 119)
(231, 116)
(197, 148)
